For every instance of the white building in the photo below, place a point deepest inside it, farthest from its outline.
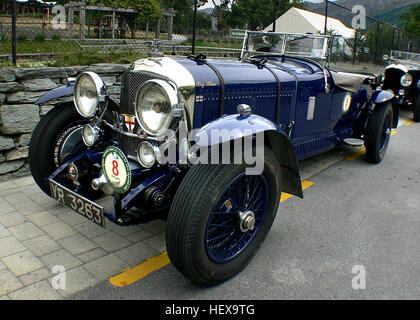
(302, 21)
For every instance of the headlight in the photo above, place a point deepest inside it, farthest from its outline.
(406, 80)
(90, 135)
(154, 104)
(89, 92)
(147, 154)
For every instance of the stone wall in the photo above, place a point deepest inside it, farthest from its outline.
(19, 115)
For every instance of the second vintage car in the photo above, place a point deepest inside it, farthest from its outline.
(402, 76)
(181, 139)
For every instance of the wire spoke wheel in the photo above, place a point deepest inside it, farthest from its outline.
(220, 217)
(236, 217)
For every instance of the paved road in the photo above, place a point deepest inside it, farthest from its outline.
(355, 214)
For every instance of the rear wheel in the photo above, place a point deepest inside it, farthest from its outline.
(56, 137)
(219, 218)
(378, 132)
(416, 112)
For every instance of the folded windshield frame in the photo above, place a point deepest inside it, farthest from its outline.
(286, 44)
(403, 55)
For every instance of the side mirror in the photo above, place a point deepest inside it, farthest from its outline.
(385, 57)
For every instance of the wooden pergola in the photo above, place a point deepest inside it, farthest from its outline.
(82, 7)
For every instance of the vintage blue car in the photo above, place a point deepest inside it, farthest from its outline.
(211, 144)
(402, 76)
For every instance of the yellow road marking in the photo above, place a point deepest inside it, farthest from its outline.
(408, 123)
(357, 154)
(132, 275)
(305, 185)
(139, 272)
(362, 151)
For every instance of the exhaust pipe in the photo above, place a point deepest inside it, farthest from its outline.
(98, 183)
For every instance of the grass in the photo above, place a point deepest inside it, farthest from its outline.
(70, 54)
(89, 57)
(43, 46)
(221, 44)
(80, 58)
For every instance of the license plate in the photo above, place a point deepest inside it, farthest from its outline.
(77, 203)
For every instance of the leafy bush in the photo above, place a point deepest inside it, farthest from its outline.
(56, 37)
(22, 37)
(4, 37)
(39, 37)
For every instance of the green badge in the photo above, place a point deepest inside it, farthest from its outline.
(116, 169)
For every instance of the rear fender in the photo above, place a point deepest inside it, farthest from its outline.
(240, 127)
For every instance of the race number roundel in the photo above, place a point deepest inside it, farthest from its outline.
(116, 169)
(347, 102)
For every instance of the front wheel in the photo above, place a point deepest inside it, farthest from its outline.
(57, 136)
(378, 132)
(219, 218)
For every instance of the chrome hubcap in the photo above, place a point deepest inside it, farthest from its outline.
(246, 221)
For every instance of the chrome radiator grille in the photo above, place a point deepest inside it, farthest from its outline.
(129, 146)
(130, 83)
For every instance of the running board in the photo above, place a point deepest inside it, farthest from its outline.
(354, 142)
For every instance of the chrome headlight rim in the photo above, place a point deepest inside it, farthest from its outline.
(156, 151)
(172, 94)
(101, 94)
(406, 80)
(95, 134)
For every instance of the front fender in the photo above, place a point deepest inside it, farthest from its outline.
(54, 94)
(382, 96)
(67, 91)
(234, 127)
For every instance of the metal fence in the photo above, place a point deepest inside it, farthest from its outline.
(370, 42)
(40, 31)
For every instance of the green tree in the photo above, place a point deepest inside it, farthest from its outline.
(150, 9)
(184, 12)
(412, 20)
(253, 14)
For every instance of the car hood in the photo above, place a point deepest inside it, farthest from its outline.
(201, 85)
(404, 65)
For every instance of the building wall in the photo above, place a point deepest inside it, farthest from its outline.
(290, 23)
(19, 90)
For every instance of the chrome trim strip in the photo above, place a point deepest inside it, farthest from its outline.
(127, 134)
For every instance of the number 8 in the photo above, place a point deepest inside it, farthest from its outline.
(115, 168)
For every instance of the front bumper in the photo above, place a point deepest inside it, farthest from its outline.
(143, 179)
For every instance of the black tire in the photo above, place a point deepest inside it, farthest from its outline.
(42, 162)
(416, 112)
(378, 132)
(189, 215)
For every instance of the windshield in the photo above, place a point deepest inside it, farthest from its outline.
(400, 55)
(300, 45)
